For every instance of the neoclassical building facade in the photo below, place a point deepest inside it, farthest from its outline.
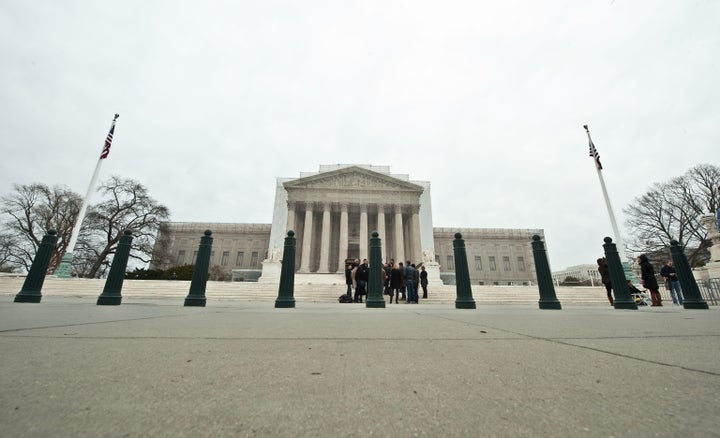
(333, 212)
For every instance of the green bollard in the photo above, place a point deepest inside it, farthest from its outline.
(196, 296)
(111, 294)
(30, 292)
(286, 291)
(464, 298)
(375, 284)
(692, 299)
(623, 299)
(548, 298)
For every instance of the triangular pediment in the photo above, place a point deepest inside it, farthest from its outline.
(352, 178)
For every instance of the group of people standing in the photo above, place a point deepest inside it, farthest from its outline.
(400, 281)
(647, 279)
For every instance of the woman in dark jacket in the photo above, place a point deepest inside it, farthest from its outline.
(647, 274)
(604, 271)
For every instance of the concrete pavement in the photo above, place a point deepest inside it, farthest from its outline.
(235, 368)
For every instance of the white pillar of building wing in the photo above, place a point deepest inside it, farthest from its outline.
(290, 216)
(343, 253)
(399, 242)
(307, 238)
(325, 240)
(416, 255)
(363, 232)
(381, 231)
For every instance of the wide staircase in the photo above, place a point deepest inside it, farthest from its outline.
(137, 290)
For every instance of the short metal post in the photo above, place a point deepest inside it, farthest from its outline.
(30, 292)
(548, 298)
(692, 299)
(464, 298)
(375, 284)
(623, 299)
(112, 293)
(286, 291)
(196, 296)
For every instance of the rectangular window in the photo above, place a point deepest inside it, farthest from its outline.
(254, 259)
(478, 263)
(450, 262)
(521, 264)
(239, 258)
(491, 260)
(212, 257)
(181, 258)
(194, 257)
(437, 258)
(506, 263)
(225, 257)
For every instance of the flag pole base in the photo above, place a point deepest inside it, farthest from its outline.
(64, 269)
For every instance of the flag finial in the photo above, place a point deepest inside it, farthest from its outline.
(586, 128)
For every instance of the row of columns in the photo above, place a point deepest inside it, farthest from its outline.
(343, 245)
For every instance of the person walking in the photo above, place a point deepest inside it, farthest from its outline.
(604, 271)
(671, 282)
(647, 275)
(423, 281)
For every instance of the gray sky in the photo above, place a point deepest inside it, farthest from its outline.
(485, 99)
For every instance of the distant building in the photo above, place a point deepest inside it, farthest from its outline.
(333, 212)
(582, 273)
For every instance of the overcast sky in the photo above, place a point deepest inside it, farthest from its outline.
(484, 99)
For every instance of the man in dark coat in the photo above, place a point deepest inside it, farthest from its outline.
(604, 271)
(361, 276)
(348, 279)
(647, 274)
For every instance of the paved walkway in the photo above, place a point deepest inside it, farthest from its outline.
(70, 368)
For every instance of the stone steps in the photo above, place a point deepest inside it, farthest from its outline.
(155, 289)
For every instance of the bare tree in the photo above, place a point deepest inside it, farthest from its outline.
(6, 243)
(671, 210)
(28, 213)
(126, 205)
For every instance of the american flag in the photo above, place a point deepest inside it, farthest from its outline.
(594, 153)
(108, 140)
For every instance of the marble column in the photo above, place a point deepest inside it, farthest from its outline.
(343, 253)
(363, 232)
(325, 240)
(381, 231)
(416, 254)
(291, 216)
(307, 238)
(399, 241)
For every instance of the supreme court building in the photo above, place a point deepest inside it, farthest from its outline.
(333, 211)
